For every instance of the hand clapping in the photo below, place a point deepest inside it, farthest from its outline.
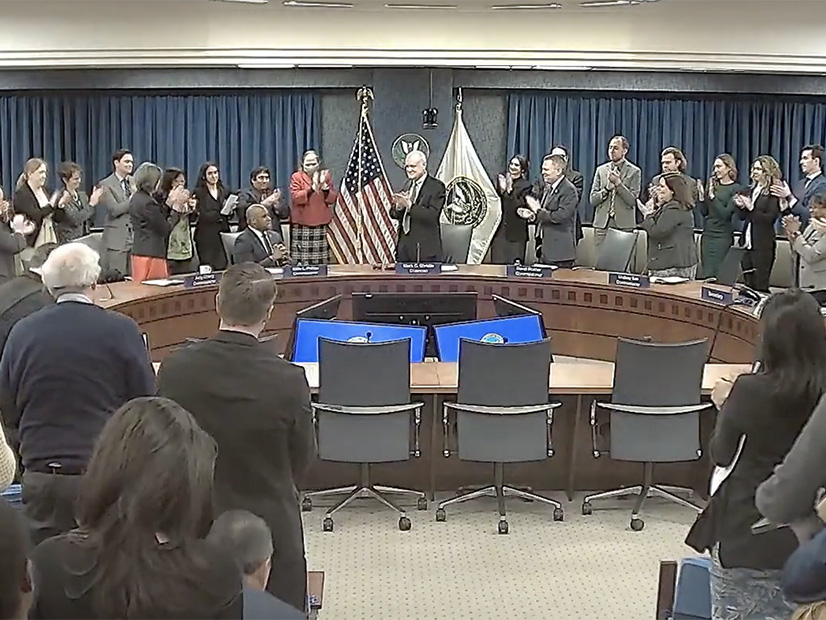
(743, 202)
(21, 224)
(272, 199)
(791, 224)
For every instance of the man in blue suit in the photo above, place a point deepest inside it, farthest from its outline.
(812, 183)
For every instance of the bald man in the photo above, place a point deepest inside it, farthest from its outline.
(418, 208)
(258, 243)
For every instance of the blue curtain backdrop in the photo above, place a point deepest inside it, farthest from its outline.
(701, 127)
(238, 130)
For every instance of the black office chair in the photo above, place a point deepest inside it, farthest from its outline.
(731, 269)
(654, 414)
(616, 250)
(364, 416)
(228, 239)
(502, 415)
(93, 240)
(456, 242)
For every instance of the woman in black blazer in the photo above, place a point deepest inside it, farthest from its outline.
(210, 194)
(759, 208)
(769, 408)
(152, 222)
(31, 197)
(511, 237)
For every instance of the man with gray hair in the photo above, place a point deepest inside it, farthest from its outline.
(247, 538)
(418, 208)
(65, 369)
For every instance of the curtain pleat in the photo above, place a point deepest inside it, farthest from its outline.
(701, 127)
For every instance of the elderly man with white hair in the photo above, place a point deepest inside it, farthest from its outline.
(418, 208)
(65, 369)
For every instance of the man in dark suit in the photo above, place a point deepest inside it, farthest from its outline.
(555, 214)
(812, 183)
(260, 192)
(578, 181)
(418, 208)
(257, 408)
(258, 243)
(248, 539)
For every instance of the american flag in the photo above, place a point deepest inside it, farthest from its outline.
(362, 230)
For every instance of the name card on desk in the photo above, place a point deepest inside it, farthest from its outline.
(418, 269)
(305, 271)
(202, 279)
(717, 296)
(529, 271)
(633, 280)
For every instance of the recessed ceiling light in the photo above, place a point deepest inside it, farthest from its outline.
(525, 7)
(312, 4)
(420, 7)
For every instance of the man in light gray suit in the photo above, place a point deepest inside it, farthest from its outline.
(615, 191)
(555, 214)
(114, 204)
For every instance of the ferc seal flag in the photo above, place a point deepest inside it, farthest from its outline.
(471, 198)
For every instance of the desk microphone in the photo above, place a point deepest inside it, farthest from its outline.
(368, 335)
(717, 328)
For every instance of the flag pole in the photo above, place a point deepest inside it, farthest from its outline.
(364, 95)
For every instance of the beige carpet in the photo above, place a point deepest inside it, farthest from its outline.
(591, 567)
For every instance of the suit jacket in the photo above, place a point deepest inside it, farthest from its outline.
(10, 244)
(25, 202)
(425, 237)
(257, 408)
(248, 248)
(514, 228)
(761, 220)
(251, 196)
(72, 220)
(557, 219)
(309, 208)
(20, 297)
(804, 194)
(670, 237)
(209, 226)
(699, 218)
(624, 197)
(811, 247)
(117, 226)
(151, 225)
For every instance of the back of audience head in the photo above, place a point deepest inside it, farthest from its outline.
(16, 589)
(71, 268)
(248, 539)
(246, 296)
(145, 498)
(793, 345)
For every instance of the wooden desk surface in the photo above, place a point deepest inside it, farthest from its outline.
(567, 378)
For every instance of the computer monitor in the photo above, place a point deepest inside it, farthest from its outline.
(308, 331)
(512, 329)
(426, 309)
(323, 310)
(507, 307)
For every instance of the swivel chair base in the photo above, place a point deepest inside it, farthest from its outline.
(499, 490)
(642, 491)
(365, 489)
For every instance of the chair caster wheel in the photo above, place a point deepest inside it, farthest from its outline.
(404, 524)
(637, 525)
(558, 514)
(421, 503)
(440, 515)
(502, 528)
(327, 525)
(306, 504)
(586, 508)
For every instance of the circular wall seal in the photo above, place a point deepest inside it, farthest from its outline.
(466, 202)
(406, 143)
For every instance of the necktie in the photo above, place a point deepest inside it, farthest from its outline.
(266, 241)
(127, 189)
(406, 216)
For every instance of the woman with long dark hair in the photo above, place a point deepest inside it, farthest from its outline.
(759, 209)
(511, 238)
(180, 250)
(210, 195)
(670, 227)
(716, 205)
(764, 412)
(145, 504)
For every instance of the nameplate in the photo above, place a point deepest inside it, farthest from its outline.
(717, 296)
(202, 279)
(529, 271)
(418, 269)
(305, 271)
(633, 280)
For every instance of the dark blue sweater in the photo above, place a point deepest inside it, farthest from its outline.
(64, 371)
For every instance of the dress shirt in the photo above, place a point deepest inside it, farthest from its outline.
(78, 297)
(416, 188)
(793, 200)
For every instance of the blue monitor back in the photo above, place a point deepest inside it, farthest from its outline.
(308, 331)
(513, 330)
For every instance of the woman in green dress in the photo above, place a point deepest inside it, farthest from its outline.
(716, 203)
